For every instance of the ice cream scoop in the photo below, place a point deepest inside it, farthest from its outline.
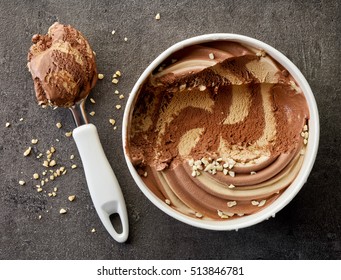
(63, 69)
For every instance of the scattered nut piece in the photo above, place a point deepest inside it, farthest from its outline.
(8, 124)
(21, 119)
(125, 39)
(39, 189)
(253, 172)
(118, 107)
(51, 177)
(262, 203)
(115, 127)
(231, 203)
(305, 128)
(68, 134)
(52, 149)
(92, 101)
(93, 230)
(121, 96)
(305, 141)
(27, 152)
(62, 211)
(182, 87)
(112, 121)
(59, 125)
(294, 86)
(52, 163)
(71, 197)
(117, 92)
(167, 201)
(100, 76)
(39, 217)
(198, 215)
(255, 202)
(92, 113)
(261, 53)
(232, 173)
(222, 214)
(114, 81)
(231, 186)
(34, 141)
(36, 176)
(157, 17)
(46, 163)
(211, 56)
(72, 156)
(202, 87)
(118, 73)
(73, 166)
(22, 182)
(113, 32)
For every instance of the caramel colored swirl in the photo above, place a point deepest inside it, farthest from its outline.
(219, 131)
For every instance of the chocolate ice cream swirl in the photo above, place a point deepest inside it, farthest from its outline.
(219, 130)
(62, 65)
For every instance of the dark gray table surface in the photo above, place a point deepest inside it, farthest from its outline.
(308, 32)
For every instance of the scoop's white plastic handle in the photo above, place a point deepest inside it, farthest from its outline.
(104, 189)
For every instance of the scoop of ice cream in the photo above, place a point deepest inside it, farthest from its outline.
(62, 65)
(219, 130)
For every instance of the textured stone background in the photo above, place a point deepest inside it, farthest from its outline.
(308, 32)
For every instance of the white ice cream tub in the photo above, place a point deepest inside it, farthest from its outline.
(309, 158)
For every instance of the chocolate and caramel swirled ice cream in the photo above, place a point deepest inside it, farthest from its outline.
(62, 65)
(218, 131)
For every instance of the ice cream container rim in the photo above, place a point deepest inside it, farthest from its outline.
(309, 158)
